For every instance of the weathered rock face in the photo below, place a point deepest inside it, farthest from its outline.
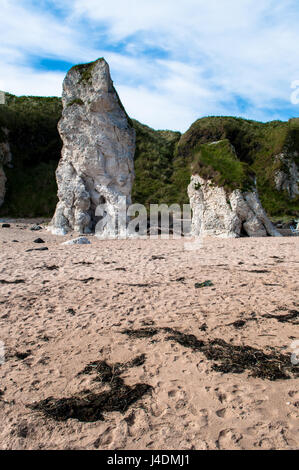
(287, 178)
(5, 158)
(218, 213)
(2, 185)
(98, 153)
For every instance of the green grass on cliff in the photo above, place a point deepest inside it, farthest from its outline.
(36, 146)
(218, 161)
(164, 160)
(154, 165)
(256, 146)
(31, 192)
(85, 70)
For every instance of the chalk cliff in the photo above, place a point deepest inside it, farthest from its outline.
(97, 162)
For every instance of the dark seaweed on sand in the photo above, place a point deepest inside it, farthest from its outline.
(238, 323)
(84, 263)
(141, 333)
(291, 317)
(88, 279)
(235, 359)
(257, 271)
(89, 406)
(53, 267)
(106, 373)
(199, 285)
(22, 355)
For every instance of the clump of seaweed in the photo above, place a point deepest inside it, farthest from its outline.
(22, 355)
(106, 373)
(141, 332)
(291, 317)
(257, 271)
(53, 267)
(237, 359)
(189, 341)
(71, 311)
(199, 285)
(87, 263)
(17, 281)
(239, 323)
(88, 406)
(85, 280)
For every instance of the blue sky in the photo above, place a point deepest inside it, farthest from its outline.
(172, 61)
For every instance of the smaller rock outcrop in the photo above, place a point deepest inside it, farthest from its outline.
(223, 195)
(215, 212)
(287, 177)
(2, 185)
(5, 159)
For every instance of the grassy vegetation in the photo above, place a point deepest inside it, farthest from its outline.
(32, 191)
(164, 160)
(154, 165)
(85, 70)
(36, 146)
(256, 146)
(218, 161)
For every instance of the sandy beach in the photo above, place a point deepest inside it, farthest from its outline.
(117, 316)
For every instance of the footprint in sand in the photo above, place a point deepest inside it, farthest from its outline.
(104, 439)
(221, 413)
(203, 418)
(156, 410)
(120, 436)
(221, 397)
(229, 439)
(265, 444)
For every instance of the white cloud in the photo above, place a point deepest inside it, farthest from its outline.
(234, 47)
(20, 80)
(27, 33)
(153, 107)
(216, 53)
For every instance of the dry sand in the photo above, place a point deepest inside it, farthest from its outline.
(75, 302)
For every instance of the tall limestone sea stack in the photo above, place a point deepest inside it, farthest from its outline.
(97, 163)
